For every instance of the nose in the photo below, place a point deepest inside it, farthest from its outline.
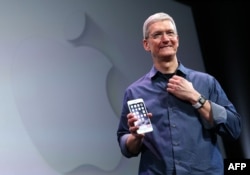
(165, 37)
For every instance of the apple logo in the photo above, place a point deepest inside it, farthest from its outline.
(60, 90)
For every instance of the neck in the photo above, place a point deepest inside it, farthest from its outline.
(167, 67)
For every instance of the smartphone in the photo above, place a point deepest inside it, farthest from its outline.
(138, 108)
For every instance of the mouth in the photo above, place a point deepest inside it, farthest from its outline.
(167, 46)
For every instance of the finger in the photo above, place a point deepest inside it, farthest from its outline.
(130, 115)
(149, 115)
(133, 129)
(131, 121)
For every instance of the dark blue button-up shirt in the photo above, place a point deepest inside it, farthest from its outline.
(182, 142)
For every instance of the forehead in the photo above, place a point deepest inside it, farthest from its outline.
(161, 26)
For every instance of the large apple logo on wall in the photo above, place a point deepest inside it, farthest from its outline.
(61, 96)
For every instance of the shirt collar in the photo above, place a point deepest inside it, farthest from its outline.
(181, 71)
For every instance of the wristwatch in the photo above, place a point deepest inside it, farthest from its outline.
(201, 101)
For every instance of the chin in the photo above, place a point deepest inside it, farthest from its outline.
(168, 54)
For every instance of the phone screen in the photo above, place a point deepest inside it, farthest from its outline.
(138, 108)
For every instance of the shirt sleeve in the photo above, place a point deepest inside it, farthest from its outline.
(123, 147)
(226, 121)
(219, 115)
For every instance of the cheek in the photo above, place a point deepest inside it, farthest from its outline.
(175, 44)
(152, 47)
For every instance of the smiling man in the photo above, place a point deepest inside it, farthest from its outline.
(187, 108)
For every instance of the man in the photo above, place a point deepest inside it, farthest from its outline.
(187, 108)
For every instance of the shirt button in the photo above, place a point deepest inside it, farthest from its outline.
(173, 125)
(177, 161)
(175, 143)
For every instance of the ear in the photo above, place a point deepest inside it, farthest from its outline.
(146, 45)
(177, 39)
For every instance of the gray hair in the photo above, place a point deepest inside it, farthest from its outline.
(155, 18)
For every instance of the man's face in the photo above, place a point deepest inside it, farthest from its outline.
(162, 40)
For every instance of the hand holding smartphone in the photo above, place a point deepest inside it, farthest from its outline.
(138, 108)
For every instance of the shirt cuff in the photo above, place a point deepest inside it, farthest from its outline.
(219, 115)
(123, 146)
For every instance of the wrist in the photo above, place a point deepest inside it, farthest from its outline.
(200, 102)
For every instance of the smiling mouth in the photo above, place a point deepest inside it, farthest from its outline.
(165, 47)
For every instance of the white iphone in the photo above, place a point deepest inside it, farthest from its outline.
(138, 108)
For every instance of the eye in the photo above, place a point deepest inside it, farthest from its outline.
(157, 35)
(170, 33)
